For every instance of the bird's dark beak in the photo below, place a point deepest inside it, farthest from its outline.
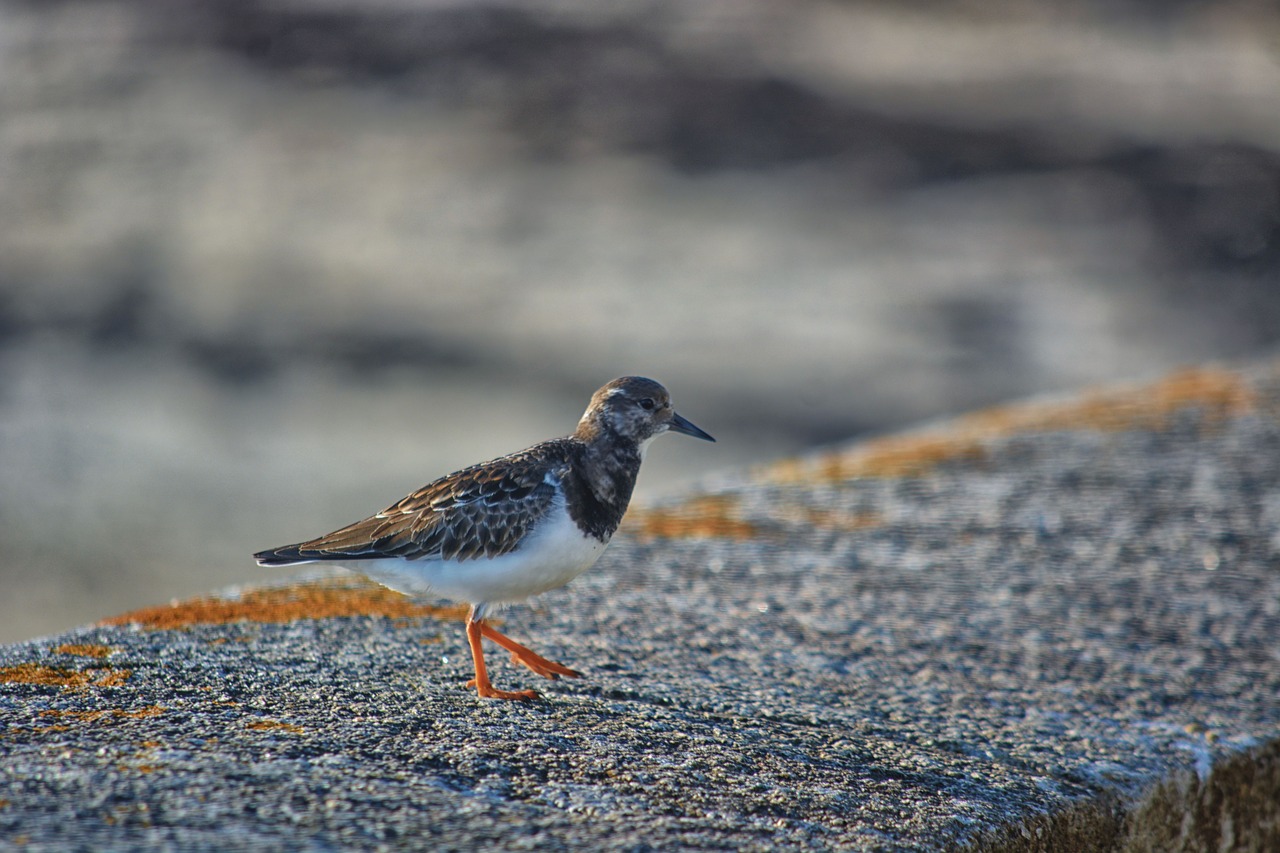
(679, 424)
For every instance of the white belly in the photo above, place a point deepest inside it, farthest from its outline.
(555, 553)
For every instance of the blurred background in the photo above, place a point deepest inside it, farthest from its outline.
(268, 265)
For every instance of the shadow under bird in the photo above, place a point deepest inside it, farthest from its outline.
(502, 531)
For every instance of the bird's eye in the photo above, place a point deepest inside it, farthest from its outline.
(647, 404)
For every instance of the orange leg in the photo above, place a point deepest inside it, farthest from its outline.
(520, 654)
(481, 681)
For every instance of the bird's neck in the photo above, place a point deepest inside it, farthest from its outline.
(604, 477)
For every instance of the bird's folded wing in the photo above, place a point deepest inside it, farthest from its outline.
(483, 511)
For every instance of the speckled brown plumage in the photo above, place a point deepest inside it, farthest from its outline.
(482, 511)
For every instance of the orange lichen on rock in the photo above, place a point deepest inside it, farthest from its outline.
(716, 517)
(1220, 394)
(324, 599)
(703, 517)
(49, 676)
(840, 520)
(104, 714)
(274, 726)
(68, 679)
(114, 677)
(84, 650)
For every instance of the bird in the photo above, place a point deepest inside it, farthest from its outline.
(501, 531)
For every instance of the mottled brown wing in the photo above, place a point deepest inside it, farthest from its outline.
(482, 511)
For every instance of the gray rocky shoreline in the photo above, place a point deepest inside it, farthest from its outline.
(1050, 626)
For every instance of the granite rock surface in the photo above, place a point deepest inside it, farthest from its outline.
(1051, 626)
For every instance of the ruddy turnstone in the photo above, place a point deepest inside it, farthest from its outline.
(505, 530)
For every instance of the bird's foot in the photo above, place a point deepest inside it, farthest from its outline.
(546, 668)
(490, 692)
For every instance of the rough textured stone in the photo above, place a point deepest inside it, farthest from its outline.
(1046, 627)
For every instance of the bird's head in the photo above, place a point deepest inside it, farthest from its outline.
(635, 409)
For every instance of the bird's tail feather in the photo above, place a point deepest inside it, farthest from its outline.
(287, 555)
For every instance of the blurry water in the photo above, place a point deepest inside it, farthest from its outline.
(264, 270)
